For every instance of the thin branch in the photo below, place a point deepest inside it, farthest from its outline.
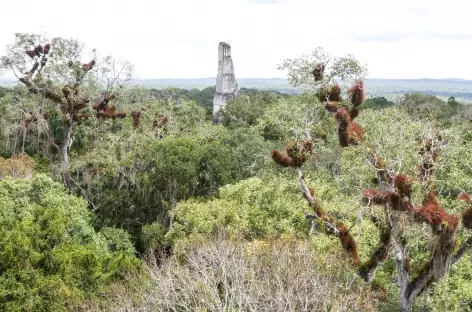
(33, 88)
(301, 180)
(14, 72)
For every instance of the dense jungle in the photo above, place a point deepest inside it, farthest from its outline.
(121, 197)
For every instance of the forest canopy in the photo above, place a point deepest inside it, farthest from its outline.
(117, 196)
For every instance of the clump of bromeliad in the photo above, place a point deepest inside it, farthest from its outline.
(348, 131)
(69, 100)
(444, 226)
(296, 155)
(399, 209)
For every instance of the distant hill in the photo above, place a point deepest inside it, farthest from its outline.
(459, 88)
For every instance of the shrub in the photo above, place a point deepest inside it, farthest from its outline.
(17, 166)
(152, 236)
(51, 258)
(253, 208)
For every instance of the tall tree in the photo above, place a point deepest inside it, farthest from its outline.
(400, 211)
(54, 71)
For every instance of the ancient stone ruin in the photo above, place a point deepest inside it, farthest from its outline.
(226, 85)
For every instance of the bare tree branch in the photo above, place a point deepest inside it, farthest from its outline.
(329, 226)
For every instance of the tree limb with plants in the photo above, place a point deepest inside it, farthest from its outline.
(400, 213)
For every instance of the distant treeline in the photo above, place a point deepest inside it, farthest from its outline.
(459, 95)
(464, 95)
(4, 91)
(204, 97)
(415, 101)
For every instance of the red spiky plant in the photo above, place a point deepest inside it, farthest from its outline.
(297, 154)
(136, 115)
(356, 93)
(330, 93)
(348, 131)
(318, 71)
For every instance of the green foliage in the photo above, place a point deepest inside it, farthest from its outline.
(51, 257)
(288, 117)
(204, 97)
(117, 240)
(154, 174)
(246, 109)
(344, 70)
(455, 292)
(133, 178)
(393, 135)
(453, 168)
(451, 101)
(252, 208)
(175, 167)
(152, 236)
(397, 137)
(217, 167)
(135, 181)
(249, 149)
(4, 91)
(377, 103)
(200, 179)
(427, 106)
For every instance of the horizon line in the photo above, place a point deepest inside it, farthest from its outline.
(370, 78)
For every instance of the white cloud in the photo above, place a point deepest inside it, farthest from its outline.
(179, 38)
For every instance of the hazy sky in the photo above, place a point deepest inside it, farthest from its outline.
(179, 38)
